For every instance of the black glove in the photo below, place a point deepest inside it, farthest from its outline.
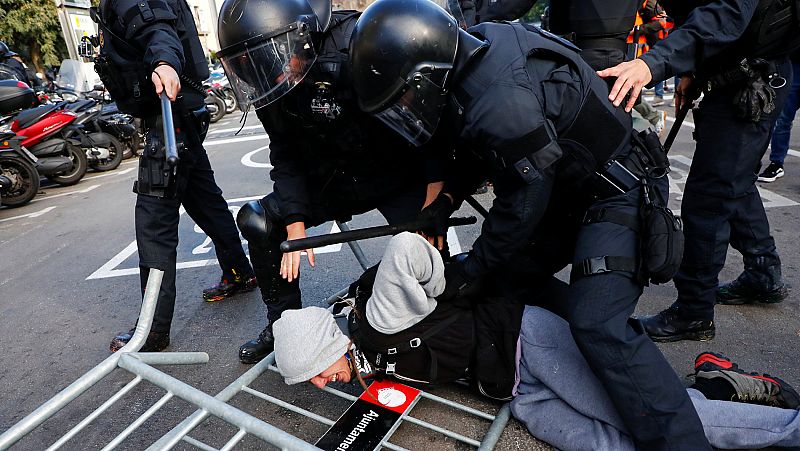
(756, 99)
(459, 285)
(434, 217)
(363, 286)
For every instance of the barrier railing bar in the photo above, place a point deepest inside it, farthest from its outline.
(171, 358)
(332, 391)
(198, 444)
(288, 406)
(97, 412)
(458, 406)
(496, 429)
(216, 407)
(91, 377)
(442, 430)
(393, 447)
(139, 421)
(234, 440)
(355, 247)
(399, 421)
(173, 437)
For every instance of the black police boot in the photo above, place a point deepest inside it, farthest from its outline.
(255, 350)
(229, 286)
(737, 292)
(670, 325)
(156, 341)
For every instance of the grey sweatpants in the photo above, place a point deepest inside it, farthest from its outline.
(558, 397)
(562, 402)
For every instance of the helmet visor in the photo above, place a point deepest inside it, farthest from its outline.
(416, 114)
(263, 73)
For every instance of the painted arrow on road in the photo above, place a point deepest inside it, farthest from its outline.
(35, 214)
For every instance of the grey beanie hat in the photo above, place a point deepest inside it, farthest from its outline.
(307, 342)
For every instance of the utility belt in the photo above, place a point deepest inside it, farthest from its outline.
(156, 177)
(752, 81)
(600, 42)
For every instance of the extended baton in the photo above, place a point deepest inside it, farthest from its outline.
(362, 234)
(673, 132)
(169, 131)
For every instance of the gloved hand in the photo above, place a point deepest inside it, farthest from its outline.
(364, 283)
(435, 217)
(458, 284)
(755, 99)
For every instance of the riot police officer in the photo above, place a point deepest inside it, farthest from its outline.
(147, 47)
(744, 73)
(287, 58)
(526, 104)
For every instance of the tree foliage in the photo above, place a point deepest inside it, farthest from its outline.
(31, 28)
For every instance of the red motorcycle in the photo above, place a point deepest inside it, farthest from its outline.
(61, 160)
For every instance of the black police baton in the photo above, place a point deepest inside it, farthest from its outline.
(362, 234)
(673, 132)
(169, 131)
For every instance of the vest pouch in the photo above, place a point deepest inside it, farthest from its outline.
(662, 244)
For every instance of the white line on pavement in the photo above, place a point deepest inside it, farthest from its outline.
(80, 191)
(108, 174)
(234, 129)
(247, 159)
(260, 136)
(29, 215)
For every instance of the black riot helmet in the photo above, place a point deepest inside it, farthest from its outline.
(266, 45)
(401, 54)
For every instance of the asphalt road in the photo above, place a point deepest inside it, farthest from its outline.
(68, 283)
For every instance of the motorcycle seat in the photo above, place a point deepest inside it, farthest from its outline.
(81, 105)
(26, 118)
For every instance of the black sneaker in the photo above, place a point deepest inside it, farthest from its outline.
(754, 388)
(227, 288)
(773, 172)
(255, 350)
(737, 293)
(156, 341)
(669, 325)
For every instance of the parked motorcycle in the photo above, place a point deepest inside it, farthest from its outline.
(215, 102)
(19, 180)
(103, 151)
(60, 160)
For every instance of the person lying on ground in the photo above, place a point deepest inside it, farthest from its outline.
(556, 395)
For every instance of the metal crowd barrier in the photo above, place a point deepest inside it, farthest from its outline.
(140, 364)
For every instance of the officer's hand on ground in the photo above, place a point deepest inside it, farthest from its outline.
(290, 263)
(165, 77)
(631, 78)
(435, 216)
(686, 92)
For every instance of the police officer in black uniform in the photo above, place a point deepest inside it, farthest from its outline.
(745, 75)
(287, 58)
(147, 44)
(526, 104)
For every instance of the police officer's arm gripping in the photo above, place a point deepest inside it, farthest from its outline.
(708, 30)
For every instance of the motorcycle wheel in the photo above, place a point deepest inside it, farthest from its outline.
(24, 179)
(79, 167)
(115, 153)
(131, 146)
(219, 104)
(231, 104)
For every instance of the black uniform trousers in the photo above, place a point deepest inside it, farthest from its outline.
(157, 224)
(646, 391)
(329, 203)
(721, 204)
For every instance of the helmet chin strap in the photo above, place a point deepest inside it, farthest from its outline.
(468, 47)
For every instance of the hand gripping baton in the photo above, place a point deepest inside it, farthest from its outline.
(169, 131)
(361, 234)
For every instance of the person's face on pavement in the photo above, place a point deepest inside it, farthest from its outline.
(338, 372)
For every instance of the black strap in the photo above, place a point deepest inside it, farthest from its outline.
(586, 43)
(615, 217)
(144, 9)
(599, 265)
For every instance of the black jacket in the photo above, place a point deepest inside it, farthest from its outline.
(159, 30)
(346, 159)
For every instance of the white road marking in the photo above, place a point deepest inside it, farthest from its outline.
(35, 214)
(234, 129)
(108, 174)
(218, 142)
(80, 191)
(247, 159)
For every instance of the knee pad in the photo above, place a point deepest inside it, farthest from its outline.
(254, 223)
